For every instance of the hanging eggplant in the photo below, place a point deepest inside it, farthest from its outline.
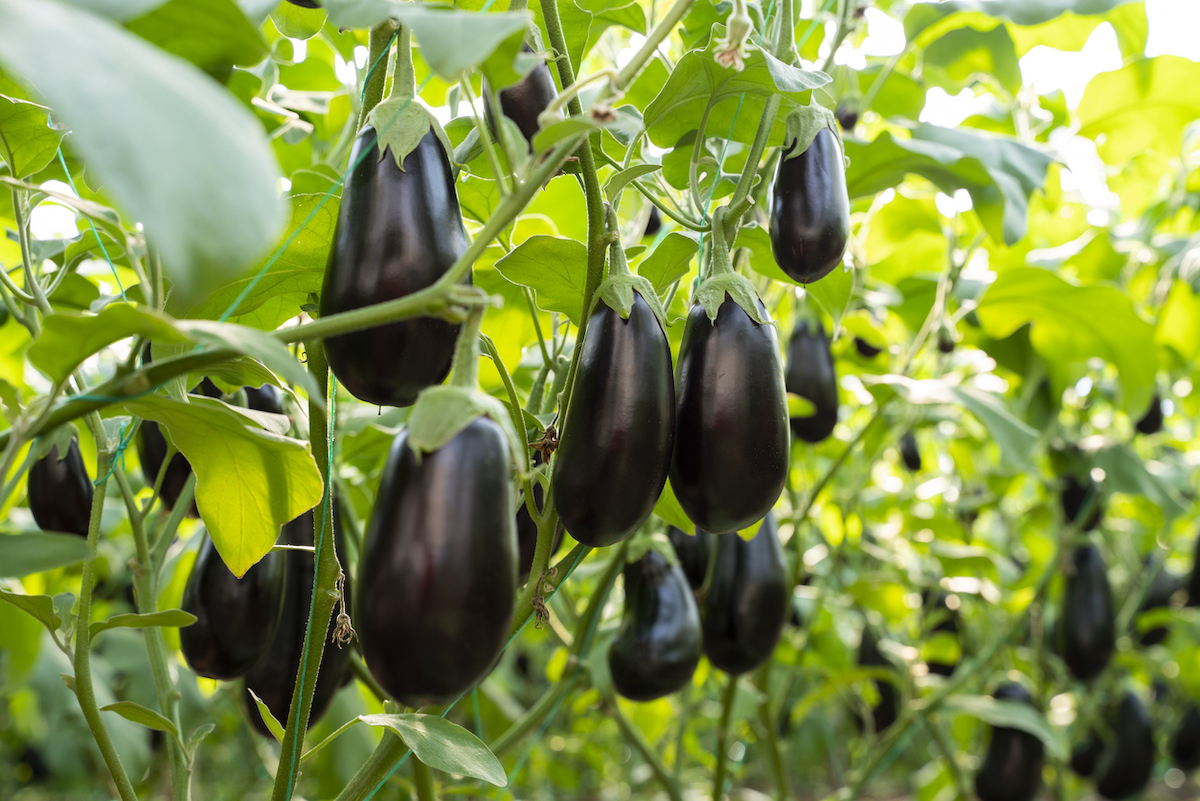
(398, 231)
(747, 600)
(693, 552)
(910, 454)
(524, 101)
(1152, 421)
(1075, 492)
(884, 713)
(1012, 769)
(1185, 742)
(1086, 627)
(659, 644)
(60, 492)
(266, 398)
(1129, 760)
(810, 374)
(810, 210)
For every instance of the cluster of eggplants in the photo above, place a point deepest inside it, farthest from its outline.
(438, 570)
(1012, 769)
(810, 210)
(60, 492)
(524, 101)
(811, 375)
(273, 678)
(659, 644)
(619, 430)
(1086, 629)
(398, 231)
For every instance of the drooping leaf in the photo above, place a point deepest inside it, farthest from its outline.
(442, 745)
(256, 344)
(172, 618)
(68, 338)
(24, 554)
(208, 33)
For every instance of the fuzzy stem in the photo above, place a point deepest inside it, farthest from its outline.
(465, 370)
(380, 41)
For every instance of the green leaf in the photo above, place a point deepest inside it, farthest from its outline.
(259, 345)
(667, 507)
(1072, 324)
(68, 338)
(669, 261)
(296, 22)
(189, 133)
(1124, 471)
(834, 292)
(172, 618)
(23, 554)
(966, 53)
(27, 142)
(443, 745)
(1179, 321)
(208, 33)
(927, 21)
(40, 607)
(1012, 715)
(554, 268)
(800, 407)
(140, 714)
(621, 179)
(273, 725)
(441, 412)
(249, 481)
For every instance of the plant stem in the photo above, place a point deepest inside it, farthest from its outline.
(685, 709)
(946, 747)
(752, 158)
(380, 42)
(765, 716)
(376, 770)
(722, 737)
(423, 779)
(638, 741)
(661, 31)
(845, 7)
(535, 714)
(464, 371)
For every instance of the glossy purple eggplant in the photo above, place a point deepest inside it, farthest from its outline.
(1152, 421)
(659, 644)
(1012, 769)
(731, 422)
(525, 100)
(438, 570)
(747, 600)
(398, 231)
(266, 398)
(810, 210)
(810, 374)
(60, 492)
(693, 552)
(615, 449)
(1086, 629)
(1130, 757)
(1185, 742)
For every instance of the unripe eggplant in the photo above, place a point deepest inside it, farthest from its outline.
(910, 454)
(1152, 421)
(616, 441)
(1074, 493)
(1185, 743)
(274, 678)
(398, 231)
(1012, 769)
(731, 423)
(747, 600)
(810, 210)
(60, 492)
(693, 552)
(438, 570)
(810, 374)
(525, 100)
(885, 712)
(236, 619)
(659, 644)
(1086, 628)
(1129, 761)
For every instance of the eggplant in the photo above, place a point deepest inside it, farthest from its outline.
(847, 116)
(1012, 769)
(1129, 759)
(810, 374)
(273, 679)
(693, 552)
(266, 398)
(1193, 585)
(236, 619)
(1086, 628)
(438, 570)
(524, 101)
(1086, 755)
(60, 492)
(398, 231)
(866, 349)
(747, 600)
(884, 713)
(305, 3)
(810, 210)
(152, 450)
(654, 222)
(731, 423)
(1074, 493)
(1162, 590)
(615, 449)
(910, 454)
(1152, 421)
(659, 644)
(1185, 743)
(527, 530)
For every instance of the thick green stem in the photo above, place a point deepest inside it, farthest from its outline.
(638, 741)
(423, 779)
(376, 770)
(767, 719)
(379, 44)
(534, 716)
(465, 369)
(404, 77)
(723, 737)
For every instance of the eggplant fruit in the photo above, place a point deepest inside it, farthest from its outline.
(810, 210)
(866, 349)
(910, 454)
(1012, 769)
(60, 492)
(693, 552)
(1152, 421)
(747, 600)
(1074, 494)
(266, 398)
(438, 570)
(1086, 755)
(810, 374)
(236, 619)
(1129, 761)
(305, 3)
(659, 644)
(1162, 590)
(731, 423)
(1086, 628)
(654, 222)
(884, 713)
(1185, 743)
(398, 231)
(619, 430)
(273, 679)
(524, 101)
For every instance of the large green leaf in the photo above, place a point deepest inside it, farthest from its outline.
(249, 481)
(925, 22)
(24, 554)
(1072, 324)
(27, 142)
(554, 268)
(208, 33)
(965, 53)
(174, 149)
(1125, 472)
(443, 745)
(68, 338)
(1012, 715)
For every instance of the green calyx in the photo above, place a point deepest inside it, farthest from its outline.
(401, 121)
(803, 125)
(58, 438)
(722, 280)
(617, 290)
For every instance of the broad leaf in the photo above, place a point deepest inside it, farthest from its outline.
(443, 745)
(68, 338)
(256, 344)
(208, 33)
(667, 507)
(669, 261)
(40, 607)
(27, 142)
(554, 268)
(25, 554)
(1124, 471)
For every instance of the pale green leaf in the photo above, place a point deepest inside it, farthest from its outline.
(1012, 715)
(68, 338)
(259, 345)
(273, 725)
(27, 142)
(554, 268)
(40, 607)
(621, 179)
(208, 33)
(140, 714)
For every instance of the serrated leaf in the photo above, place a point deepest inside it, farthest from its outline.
(621, 179)
(173, 618)
(40, 607)
(272, 724)
(554, 268)
(25, 554)
(443, 745)
(669, 261)
(68, 338)
(1012, 715)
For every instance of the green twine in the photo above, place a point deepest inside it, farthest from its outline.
(118, 454)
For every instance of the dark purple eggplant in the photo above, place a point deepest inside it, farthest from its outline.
(266, 398)
(693, 552)
(1012, 769)
(810, 210)
(654, 222)
(866, 349)
(60, 492)
(1086, 755)
(1185, 742)
(235, 618)
(910, 454)
(731, 422)
(847, 116)
(1193, 585)
(1162, 590)
(885, 712)
(438, 571)
(1129, 760)
(1086, 628)
(398, 231)
(747, 600)
(616, 441)
(524, 101)
(810, 374)
(274, 678)
(659, 644)
(1074, 494)
(1152, 421)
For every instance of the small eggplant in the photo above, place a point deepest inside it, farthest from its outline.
(60, 492)
(1129, 760)
(1152, 421)
(524, 101)
(1185, 743)
(810, 210)
(811, 375)
(1086, 627)
(910, 454)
